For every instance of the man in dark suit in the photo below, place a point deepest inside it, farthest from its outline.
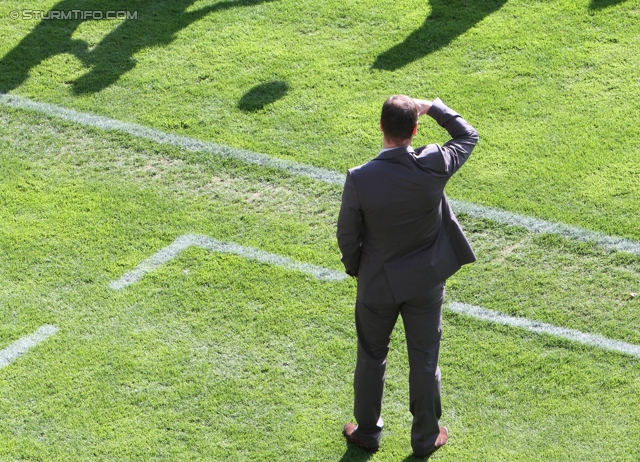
(401, 240)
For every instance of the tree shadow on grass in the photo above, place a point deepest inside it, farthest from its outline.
(602, 4)
(448, 20)
(261, 95)
(157, 23)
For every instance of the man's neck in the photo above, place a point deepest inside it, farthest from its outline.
(386, 144)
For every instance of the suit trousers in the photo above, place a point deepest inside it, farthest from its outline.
(422, 319)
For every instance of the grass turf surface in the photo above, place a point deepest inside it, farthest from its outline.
(551, 88)
(213, 357)
(216, 358)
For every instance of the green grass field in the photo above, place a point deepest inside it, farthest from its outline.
(215, 357)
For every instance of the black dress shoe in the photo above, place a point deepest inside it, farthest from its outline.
(349, 428)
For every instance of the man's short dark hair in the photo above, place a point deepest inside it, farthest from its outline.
(399, 117)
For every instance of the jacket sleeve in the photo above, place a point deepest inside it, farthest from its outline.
(463, 137)
(350, 227)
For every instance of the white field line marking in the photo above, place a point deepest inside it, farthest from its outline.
(188, 240)
(183, 242)
(20, 347)
(190, 144)
(541, 328)
(534, 225)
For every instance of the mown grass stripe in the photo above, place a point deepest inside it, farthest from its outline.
(542, 328)
(534, 225)
(21, 346)
(183, 242)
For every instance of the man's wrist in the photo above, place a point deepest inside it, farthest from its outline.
(423, 106)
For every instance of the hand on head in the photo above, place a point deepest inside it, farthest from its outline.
(423, 106)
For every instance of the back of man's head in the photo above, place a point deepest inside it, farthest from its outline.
(399, 118)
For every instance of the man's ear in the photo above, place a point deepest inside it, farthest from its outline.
(381, 127)
(415, 130)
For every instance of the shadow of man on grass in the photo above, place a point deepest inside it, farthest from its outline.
(156, 24)
(355, 454)
(448, 20)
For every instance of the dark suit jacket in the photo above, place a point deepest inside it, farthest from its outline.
(396, 231)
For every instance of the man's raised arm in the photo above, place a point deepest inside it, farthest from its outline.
(464, 137)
